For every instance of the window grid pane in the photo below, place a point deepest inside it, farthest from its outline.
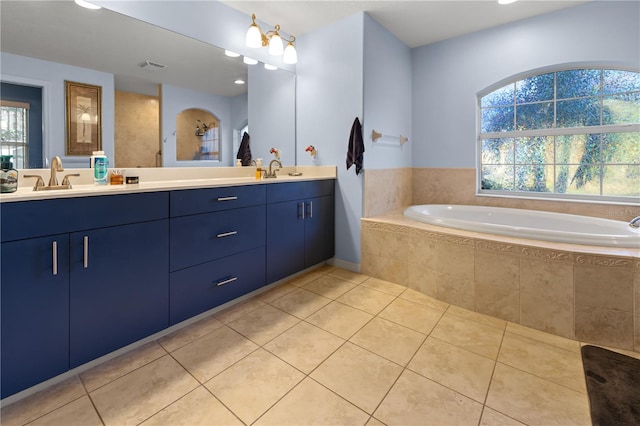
(14, 134)
(601, 164)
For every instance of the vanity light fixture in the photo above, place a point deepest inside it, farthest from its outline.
(249, 61)
(256, 38)
(231, 54)
(270, 67)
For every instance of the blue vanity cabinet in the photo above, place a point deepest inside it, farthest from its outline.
(118, 288)
(34, 311)
(300, 226)
(53, 320)
(217, 247)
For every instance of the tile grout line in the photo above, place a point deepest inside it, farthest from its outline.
(93, 404)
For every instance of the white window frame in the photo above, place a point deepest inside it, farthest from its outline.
(570, 131)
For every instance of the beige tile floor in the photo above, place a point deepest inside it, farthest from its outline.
(329, 347)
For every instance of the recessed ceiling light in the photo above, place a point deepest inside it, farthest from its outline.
(249, 61)
(87, 5)
(270, 67)
(231, 54)
(239, 81)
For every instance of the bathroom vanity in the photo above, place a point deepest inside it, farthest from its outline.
(85, 274)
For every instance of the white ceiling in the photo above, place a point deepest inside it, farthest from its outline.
(60, 31)
(415, 22)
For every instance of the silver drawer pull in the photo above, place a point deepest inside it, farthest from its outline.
(227, 198)
(54, 250)
(227, 281)
(227, 234)
(86, 252)
(310, 209)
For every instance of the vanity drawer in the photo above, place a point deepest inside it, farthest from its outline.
(194, 201)
(279, 192)
(203, 287)
(28, 219)
(200, 238)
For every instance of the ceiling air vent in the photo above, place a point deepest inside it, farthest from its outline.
(152, 66)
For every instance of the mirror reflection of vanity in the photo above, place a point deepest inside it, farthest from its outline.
(148, 101)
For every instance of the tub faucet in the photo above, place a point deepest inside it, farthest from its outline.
(56, 166)
(635, 222)
(270, 173)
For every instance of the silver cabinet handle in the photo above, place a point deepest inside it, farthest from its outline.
(310, 209)
(227, 281)
(54, 250)
(227, 234)
(302, 205)
(227, 198)
(85, 252)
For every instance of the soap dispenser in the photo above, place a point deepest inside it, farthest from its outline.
(259, 168)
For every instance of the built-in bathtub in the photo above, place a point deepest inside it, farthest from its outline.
(537, 225)
(576, 289)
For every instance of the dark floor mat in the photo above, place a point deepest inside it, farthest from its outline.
(613, 386)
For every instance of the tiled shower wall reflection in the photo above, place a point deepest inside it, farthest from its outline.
(587, 297)
(394, 189)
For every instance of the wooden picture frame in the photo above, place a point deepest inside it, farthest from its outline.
(83, 118)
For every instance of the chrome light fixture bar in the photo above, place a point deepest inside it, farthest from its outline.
(273, 40)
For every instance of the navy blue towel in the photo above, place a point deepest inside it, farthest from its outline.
(355, 153)
(244, 152)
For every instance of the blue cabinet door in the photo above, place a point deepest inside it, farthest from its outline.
(319, 230)
(34, 311)
(119, 287)
(285, 239)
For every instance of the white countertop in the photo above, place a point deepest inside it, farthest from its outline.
(158, 179)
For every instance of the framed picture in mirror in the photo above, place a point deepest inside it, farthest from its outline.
(83, 118)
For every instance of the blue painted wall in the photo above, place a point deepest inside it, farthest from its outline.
(329, 97)
(387, 97)
(272, 114)
(447, 76)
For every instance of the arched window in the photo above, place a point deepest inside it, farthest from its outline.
(566, 134)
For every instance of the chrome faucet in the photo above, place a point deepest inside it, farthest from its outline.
(272, 173)
(56, 166)
(635, 222)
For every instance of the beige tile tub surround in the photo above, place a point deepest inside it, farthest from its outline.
(386, 190)
(458, 186)
(579, 292)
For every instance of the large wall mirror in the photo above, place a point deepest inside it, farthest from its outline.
(155, 75)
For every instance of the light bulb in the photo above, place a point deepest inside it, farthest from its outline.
(231, 54)
(239, 81)
(254, 36)
(87, 5)
(290, 54)
(275, 45)
(249, 61)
